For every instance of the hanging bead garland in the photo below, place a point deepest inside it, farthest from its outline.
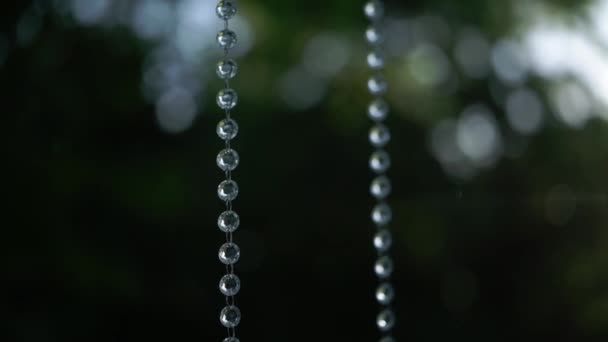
(379, 163)
(227, 160)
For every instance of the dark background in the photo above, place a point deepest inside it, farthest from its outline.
(109, 229)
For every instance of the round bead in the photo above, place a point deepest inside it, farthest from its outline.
(373, 35)
(227, 98)
(226, 38)
(230, 285)
(380, 187)
(385, 293)
(374, 9)
(227, 190)
(229, 253)
(387, 339)
(227, 159)
(383, 240)
(227, 129)
(375, 60)
(380, 161)
(230, 316)
(377, 85)
(228, 221)
(234, 339)
(384, 267)
(378, 110)
(382, 214)
(225, 9)
(385, 320)
(226, 69)
(379, 135)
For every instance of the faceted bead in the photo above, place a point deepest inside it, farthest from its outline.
(385, 320)
(381, 187)
(384, 267)
(226, 69)
(380, 161)
(225, 9)
(228, 221)
(229, 253)
(373, 35)
(227, 129)
(374, 9)
(227, 98)
(387, 339)
(230, 285)
(230, 316)
(227, 159)
(379, 135)
(227, 39)
(375, 59)
(378, 110)
(377, 85)
(227, 190)
(385, 293)
(234, 339)
(383, 240)
(382, 214)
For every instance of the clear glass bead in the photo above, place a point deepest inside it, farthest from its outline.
(228, 221)
(373, 35)
(229, 253)
(374, 9)
(226, 69)
(385, 293)
(384, 267)
(227, 98)
(230, 285)
(227, 39)
(383, 240)
(377, 85)
(387, 339)
(385, 320)
(379, 135)
(225, 9)
(378, 110)
(227, 190)
(230, 316)
(380, 187)
(228, 159)
(227, 129)
(234, 339)
(375, 59)
(380, 161)
(382, 214)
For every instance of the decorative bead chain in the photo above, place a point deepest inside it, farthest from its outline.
(227, 161)
(379, 163)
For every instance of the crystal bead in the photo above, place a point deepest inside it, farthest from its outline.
(385, 320)
(377, 85)
(383, 240)
(387, 339)
(378, 110)
(225, 9)
(228, 221)
(229, 253)
(227, 159)
(380, 187)
(226, 69)
(230, 285)
(227, 190)
(227, 98)
(375, 59)
(374, 9)
(227, 129)
(234, 339)
(380, 161)
(382, 214)
(379, 135)
(373, 35)
(230, 316)
(384, 267)
(385, 293)
(227, 39)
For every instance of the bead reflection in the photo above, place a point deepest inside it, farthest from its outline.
(230, 285)
(384, 267)
(383, 240)
(228, 190)
(380, 161)
(385, 320)
(230, 316)
(229, 253)
(385, 294)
